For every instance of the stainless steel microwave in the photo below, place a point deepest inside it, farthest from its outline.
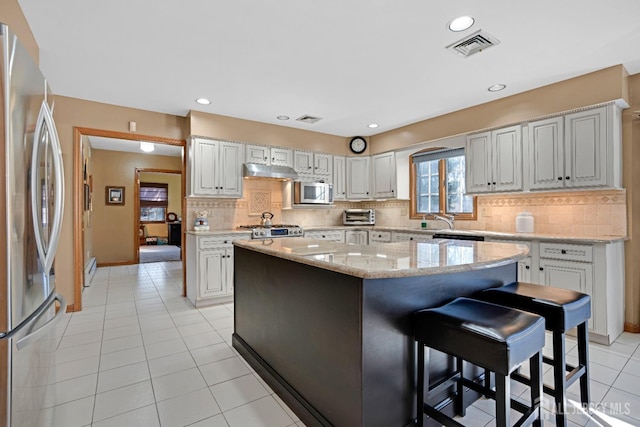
(312, 193)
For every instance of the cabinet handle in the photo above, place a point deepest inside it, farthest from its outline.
(527, 267)
(563, 251)
(494, 183)
(567, 178)
(559, 178)
(541, 269)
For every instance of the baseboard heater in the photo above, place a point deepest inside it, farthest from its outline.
(90, 270)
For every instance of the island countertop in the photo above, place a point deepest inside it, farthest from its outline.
(391, 260)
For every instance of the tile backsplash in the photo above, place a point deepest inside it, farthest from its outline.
(592, 212)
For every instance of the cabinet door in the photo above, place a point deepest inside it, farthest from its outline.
(303, 162)
(384, 175)
(358, 177)
(577, 276)
(546, 154)
(281, 157)
(339, 175)
(524, 270)
(506, 159)
(230, 165)
(322, 164)
(586, 148)
(478, 163)
(204, 168)
(257, 154)
(212, 269)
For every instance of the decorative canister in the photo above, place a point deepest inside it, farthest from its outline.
(524, 222)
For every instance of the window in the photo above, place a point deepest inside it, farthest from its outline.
(154, 200)
(438, 184)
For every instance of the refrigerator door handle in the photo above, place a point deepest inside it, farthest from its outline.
(35, 335)
(47, 254)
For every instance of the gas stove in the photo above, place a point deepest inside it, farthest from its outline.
(276, 230)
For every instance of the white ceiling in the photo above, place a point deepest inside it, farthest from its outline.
(351, 62)
(113, 144)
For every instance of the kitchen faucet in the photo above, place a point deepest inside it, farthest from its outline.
(447, 218)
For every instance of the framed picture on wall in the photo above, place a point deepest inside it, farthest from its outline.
(114, 195)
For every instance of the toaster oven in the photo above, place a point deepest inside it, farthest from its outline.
(359, 217)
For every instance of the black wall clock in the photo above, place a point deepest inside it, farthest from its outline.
(358, 144)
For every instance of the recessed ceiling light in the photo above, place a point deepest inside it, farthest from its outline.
(147, 147)
(496, 88)
(203, 101)
(282, 117)
(372, 125)
(461, 23)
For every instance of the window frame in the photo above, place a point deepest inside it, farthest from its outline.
(442, 191)
(147, 204)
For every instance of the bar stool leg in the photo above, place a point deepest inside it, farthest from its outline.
(503, 400)
(559, 378)
(460, 408)
(583, 360)
(535, 363)
(420, 386)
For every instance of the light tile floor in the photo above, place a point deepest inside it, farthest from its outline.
(141, 355)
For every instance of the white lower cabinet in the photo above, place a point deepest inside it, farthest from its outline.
(333, 235)
(210, 269)
(593, 269)
(357, 237)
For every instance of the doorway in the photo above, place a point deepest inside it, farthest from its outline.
(87, 192)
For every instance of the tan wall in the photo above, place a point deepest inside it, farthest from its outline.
(228, 128)
(174, 182)
(601, 86)
(11, 14)
(113, 225)
(631, 181)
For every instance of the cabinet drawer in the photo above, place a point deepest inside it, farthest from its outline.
(380, 236)
(333, 235)
(215, 241)
(582, 253)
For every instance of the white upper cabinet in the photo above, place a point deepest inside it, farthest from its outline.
(383, 176)
(494, 161)
(581, 149)
(315, 166)
(546, 153)
(216, 168)
(358, 177)
(257, 154)
(266, 155)
(281, 156)
(339, 178)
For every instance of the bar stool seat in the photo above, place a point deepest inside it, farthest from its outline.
(563, 310)
(487, 335)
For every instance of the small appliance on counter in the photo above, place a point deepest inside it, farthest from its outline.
(201, 223)
(524, 222)
(359, 217)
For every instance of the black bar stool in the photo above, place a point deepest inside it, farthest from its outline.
(563, 310)
(487, 335)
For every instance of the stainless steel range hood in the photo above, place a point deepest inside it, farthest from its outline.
(254, 170)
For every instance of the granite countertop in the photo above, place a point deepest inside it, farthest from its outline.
(390, 260)
(220, 232)
(487, 234)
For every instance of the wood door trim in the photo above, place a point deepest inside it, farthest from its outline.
(78, 192)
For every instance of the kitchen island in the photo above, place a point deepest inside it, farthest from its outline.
(328, 325)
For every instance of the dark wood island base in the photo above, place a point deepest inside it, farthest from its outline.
(338, 349)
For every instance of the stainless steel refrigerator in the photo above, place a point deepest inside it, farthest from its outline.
(31, 203)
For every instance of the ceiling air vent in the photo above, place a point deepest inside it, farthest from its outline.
(474, 43)
(308, 119)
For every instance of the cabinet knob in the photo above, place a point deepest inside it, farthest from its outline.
(567, 178)
(226, 241)
(309, 167)
(494, 183)
(527, 267)
(541, 269)
(559, 178)
(488, 183)
(410, 238)
(563, 251)
(323, 236)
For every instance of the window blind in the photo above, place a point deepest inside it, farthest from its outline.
(437, 154)
(154, 194)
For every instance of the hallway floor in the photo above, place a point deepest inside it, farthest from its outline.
(141, 355)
